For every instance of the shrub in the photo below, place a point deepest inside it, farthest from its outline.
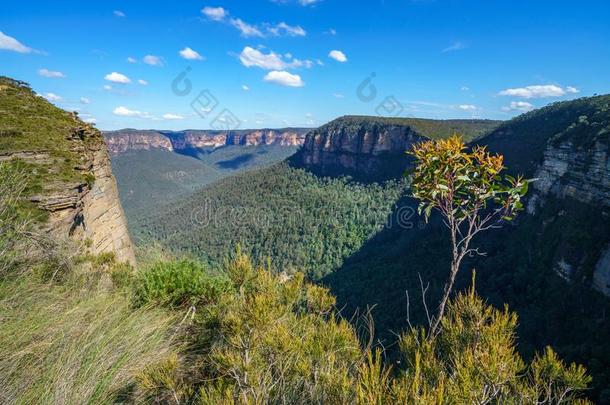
(176, 284)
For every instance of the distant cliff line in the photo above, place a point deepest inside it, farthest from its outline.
(125, 140)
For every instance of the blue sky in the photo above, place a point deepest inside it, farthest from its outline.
(304, 62)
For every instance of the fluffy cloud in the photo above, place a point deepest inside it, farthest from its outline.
(246, 29)
(214, 13)
(118, 13)
(519, 106)
(52, 97)
(467, 107)
(126, 112)
(271, 61)
(90, 120)
(172, 117)
(284, 78)
(85, 100)
(190, 54)
(539, 91)
(116, 77)
(143, 82)
(338, 56)
(11, 44)
(51, 74)
(253, 57)
(153, 60)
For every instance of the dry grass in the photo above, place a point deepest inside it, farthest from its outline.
(74, 343)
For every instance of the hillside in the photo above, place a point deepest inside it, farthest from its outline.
(151, 178)
(69, 188)
(298, 220)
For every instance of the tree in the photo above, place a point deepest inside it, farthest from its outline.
(467, 188)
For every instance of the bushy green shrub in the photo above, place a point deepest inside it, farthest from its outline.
(176, 284)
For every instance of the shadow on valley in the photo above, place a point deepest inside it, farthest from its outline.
(518, 270)
(236, 162)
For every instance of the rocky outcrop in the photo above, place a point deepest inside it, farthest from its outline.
(375, 147)
(129, 139)
(363, 150)
(581, 173)
(90, 210)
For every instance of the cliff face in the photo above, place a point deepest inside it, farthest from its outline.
(565, 147)
(128, 139)
(89, 210)
(374, 147)
(68, 173)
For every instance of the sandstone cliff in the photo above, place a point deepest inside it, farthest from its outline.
(565, 147)
(130, 139)
(69, 175)
(374, 147)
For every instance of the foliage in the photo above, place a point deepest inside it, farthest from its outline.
(274, 338)
(178, 284)
(298, 219)
(462, 185)
(474, 360)
(75, 341)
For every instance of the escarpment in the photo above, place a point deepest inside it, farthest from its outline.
(67, 170)
(131, 139)
(374, 147)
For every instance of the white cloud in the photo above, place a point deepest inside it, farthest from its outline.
(142, 82)
(118, 13)
(285, 29)
(90, 120)
(467, 107)
(85, 100)
(538, 91)
(245, 88)
(52, 97)
(126, 112)
(107, 87)
(338, 95)
(271, 61)
(116, 77)
(253, 30)
(214, 13)
(456, 46)
(11, 44)
(172, 117)
(190, 54)
(332, 31)
(132, 60)
(246, 29)
(51, 73)
(153, 60)
(253, 57)
(465, 88)
(338, 56)
(284, 78)
(301, 2)
(519, 106)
